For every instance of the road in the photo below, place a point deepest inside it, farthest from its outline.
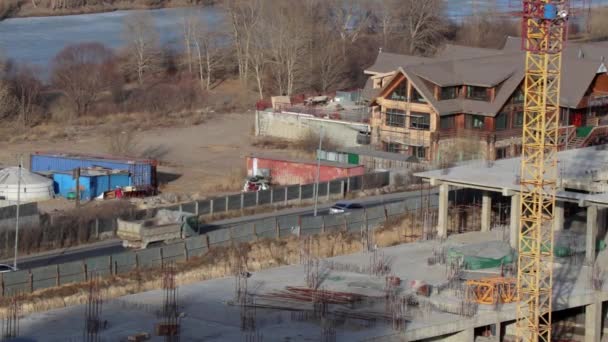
(113, 246)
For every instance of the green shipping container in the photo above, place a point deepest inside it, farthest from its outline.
(353, 158)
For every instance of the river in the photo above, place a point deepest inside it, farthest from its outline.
(37, 40)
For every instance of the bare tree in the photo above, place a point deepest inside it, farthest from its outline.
(385, 19)
(27, 92)
(598, 25)
(81, 72)
(423, 26)
(285, 31)
(350, 18)
(485, 30)
(142, 43)
(188, 29)
(209, 56)
(8, 101)
(329, 62)
(243, 16)
(258, 58)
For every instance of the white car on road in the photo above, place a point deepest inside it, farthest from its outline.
(342, 207)
(7, 268)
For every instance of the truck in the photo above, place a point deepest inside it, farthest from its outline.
(165, 227)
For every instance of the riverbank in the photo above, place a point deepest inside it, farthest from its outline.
(26, 9)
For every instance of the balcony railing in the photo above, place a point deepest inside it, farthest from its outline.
(479, 133)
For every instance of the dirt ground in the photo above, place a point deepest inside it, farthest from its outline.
(198, 160)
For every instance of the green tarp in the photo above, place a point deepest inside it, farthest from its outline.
(477, 262)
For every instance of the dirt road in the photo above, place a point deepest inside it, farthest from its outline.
(204, 159)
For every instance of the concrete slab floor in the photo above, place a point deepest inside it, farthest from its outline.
(209, 318)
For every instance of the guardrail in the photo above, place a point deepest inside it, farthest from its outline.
(28, 281)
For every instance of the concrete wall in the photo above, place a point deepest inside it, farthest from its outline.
(284, 172)
(28, 216)
(293, 126)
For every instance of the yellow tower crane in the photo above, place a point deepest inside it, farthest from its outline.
(544, 34)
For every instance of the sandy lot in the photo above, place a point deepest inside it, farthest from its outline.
(193, 159)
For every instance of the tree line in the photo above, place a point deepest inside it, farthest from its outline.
(15, 8)
(273, 47)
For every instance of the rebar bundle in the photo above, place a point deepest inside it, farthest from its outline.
(328, 331)
(254, 337)
(92, 313)
(170, 322)
(10, 326)
(248, 314)
(379, 265)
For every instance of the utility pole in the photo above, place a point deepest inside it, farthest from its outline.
(77, 177)
(17, 212)
(318, 170)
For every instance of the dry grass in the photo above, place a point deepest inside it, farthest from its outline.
(231, 182)
(219, 262)
(63, 126)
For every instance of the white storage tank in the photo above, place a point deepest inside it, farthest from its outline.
(33, 187)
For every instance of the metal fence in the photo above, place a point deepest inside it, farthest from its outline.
(284, 195)
(27, 281)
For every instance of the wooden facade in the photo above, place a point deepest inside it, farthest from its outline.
(412, 140)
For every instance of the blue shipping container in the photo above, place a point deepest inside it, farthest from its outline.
(142, 172)
(91, 185)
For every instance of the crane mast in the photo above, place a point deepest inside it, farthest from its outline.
(544, 34)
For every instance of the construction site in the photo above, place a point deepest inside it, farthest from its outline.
(459, 289)
(511, 247)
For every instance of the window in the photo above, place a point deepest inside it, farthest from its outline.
(395, 118)
(447, 122)
(419, 152)
(474, 121)
(420, 121)
(477, 93)
(519, 119)
(417, 97)
(448, 93)
(400, 93)
(518, 96)
(501, 152)
(501, 121)
(392, 147)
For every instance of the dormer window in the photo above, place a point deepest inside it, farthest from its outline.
(518, 96)
(448, 93)
(477, 93)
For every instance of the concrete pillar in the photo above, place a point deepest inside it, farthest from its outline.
(442, 220)
(558, 216)
(498, 331)
(514, 221)
(601, 222)
(591, 236)
(593, 322)
(486, 212)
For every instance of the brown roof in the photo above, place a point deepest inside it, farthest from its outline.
(459, 65)
(387, 62)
